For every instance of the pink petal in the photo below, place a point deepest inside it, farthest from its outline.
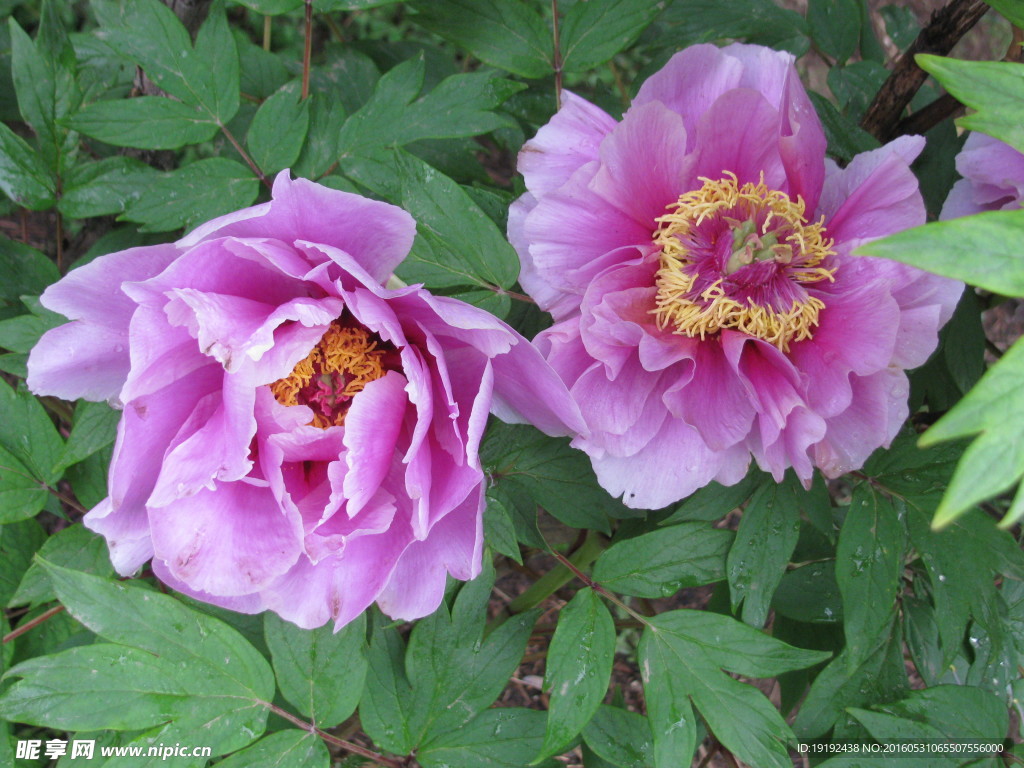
(371, 433)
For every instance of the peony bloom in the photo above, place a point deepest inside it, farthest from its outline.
(295, 436)
(696, 257)
(993, 178)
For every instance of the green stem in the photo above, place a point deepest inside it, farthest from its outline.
(558, 576)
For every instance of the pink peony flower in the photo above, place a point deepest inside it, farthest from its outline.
(295, 436)
(696, 257)
(993, 178)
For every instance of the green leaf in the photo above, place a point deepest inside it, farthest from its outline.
(579, 665)
(388, 711)
(146, 122)
(686, 651)
(755, 21)
(18, 544)
(496, 738)
(105, 187)
(499, 528)
(319, 672)
(869, 568)
(228, 682)
(767, 535)
(75, 547)
(27, 433)
(993, 89)
(44, 79)
(278, 130)
(284, 749)
(88, 477)
(461, 105)
(1011, 10)
(620, 737)
(855, 85)
(508, 34)
(835, 26)
(21, 495)
(594, 31)
(457, 243)
(191, 195)
(94, 427)
(991, 237)
(24, 271)
(273, 7)
(557, 477)
(660, 563)
(845, 137)
(714, 501)
(20, 333)
(880, 677)
(206, 76)
(901, 23)
(23, 177)
(810, 594)
(957, 713)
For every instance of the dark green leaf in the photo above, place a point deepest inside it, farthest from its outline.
(835, 26)
(207, 76)
(27, 433)
(880, 677)
(714, 501)
(23, 177)
(278, 130)
(44, 78)
(509, 34)
(660, 563)
(594, 31)
(284, 749)
(388, 711)
(855, 85)
(146, 122)
(766, 537)
(496, 738)
(95, 427)
(810, 594)
(20, 334)
(869, 567)
(196, 193)
(105, 187)
(272, 7)
(620, 737)
(319, 671)
(88, 477)
(993, 89)
(499, 528)
(579, 665)
(75, 547)
(396, 114)
(901, 24)
(24, 271)
(320, 151)
(555, 476)
(845, 137)
(755, 21)
(684, 651)
(18, 544)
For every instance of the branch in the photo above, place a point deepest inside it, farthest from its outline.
(945, 28)
(348, 746)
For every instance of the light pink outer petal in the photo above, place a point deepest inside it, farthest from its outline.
(454, 546)
(88, 358)
(230, 541)
(993, 178)
(376, 234)
(570, 140)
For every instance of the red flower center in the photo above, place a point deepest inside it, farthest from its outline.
(342, 363)
(739, 257)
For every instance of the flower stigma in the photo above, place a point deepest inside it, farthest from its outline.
(341, 364)
(739, 257)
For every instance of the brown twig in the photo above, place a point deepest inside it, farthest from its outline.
(597, 587)
(348, 746)
(23, 628)
(928, 117)
(556, 59)
(245, 156)
(946, 27)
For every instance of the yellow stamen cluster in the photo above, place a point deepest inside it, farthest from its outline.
(677, 308)
(348, 352)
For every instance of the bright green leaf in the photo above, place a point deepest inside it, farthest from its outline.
(594, 31)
